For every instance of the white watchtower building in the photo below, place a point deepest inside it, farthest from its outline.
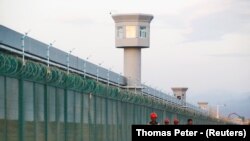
(180, 93)
(132, 32)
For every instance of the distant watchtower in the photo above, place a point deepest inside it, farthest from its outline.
(203, 105)
(180, 93)
(132, 33)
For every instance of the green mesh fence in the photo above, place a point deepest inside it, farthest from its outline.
(47, 104)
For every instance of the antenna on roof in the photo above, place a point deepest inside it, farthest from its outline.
(111, 12)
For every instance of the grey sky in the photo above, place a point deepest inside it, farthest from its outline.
(200, 44)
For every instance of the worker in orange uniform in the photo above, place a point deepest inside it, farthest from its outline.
(153, 117)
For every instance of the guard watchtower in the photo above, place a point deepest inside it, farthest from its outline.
(132, 34)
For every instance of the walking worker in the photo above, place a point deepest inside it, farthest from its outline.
(166, 121)
(153, 117)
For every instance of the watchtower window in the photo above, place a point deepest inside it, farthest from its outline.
(119, 32)
(130, 31)
(143, 32)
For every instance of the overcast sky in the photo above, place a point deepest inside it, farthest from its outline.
(200, 44)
